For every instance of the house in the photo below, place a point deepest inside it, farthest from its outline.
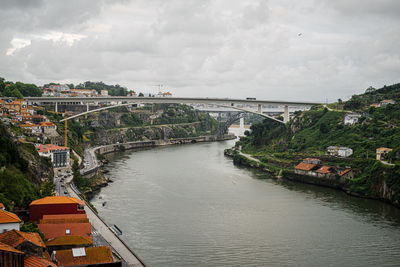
(351, 118)
(347, 173)
(312, 161)
(375, 105)
(55, 205)
(59, 155)
(15, 106)
(386, 102)
(104, 92)
(90, 256)
(30, 128)
(325, 171)
(34, 261)
(48, 128)
(29, 243)
(339, 151)
(8, 221)
(305, 169)
(10, 256)
(59, 87)
(381, 153)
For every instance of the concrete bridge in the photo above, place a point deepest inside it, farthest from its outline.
(238, 104)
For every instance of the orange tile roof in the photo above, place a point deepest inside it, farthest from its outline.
(2, 206)
(70, 240)
(57, 200)
(324, 169)
(46, 123)
(305, 166)
(49, 147)
(15, 238)
(8, 217)
(53, 230)
(94, 255)
(5, 247)
(383, 149)
(63, 216)
(64, 220)
(34, 261)
(344, 172)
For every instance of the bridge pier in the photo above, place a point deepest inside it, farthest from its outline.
(56, 107)
(241, 123)
(259, 110)
(87, 106)
(286, 114)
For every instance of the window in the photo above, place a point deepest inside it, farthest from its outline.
(67, 231)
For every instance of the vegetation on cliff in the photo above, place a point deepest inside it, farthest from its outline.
(24, 175)
(311, 132)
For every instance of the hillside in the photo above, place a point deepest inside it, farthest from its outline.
(24, 175)
(281, 147)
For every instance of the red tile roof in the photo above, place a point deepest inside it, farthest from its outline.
(57, 200)
(8, 217)
(49, 147)
(63, 216)
(64, 220)
(5, 247)
(14, 238)
(47, 124)
(70, 240)
(310, 159)
(94, 255)
(344, 172)
(304, 166)
(324, 169)
(34, 261)
(383, 149)
(2, 206)
(59, 229)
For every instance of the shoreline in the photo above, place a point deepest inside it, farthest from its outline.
(253, 163)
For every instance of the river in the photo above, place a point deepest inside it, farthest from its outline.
(188, 205)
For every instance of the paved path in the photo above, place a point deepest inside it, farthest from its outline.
(249, 157)
(102, 228)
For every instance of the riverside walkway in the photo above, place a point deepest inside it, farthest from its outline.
(125, 253)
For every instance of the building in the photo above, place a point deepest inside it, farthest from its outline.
(90, 256)
(8, 221)
(54, 230)
(31, 128)
(10, 256)
(59, 155)
(48, 128)
(381, 153)
(386, 102)
(29, 243)
(325, 171)
(305, 169)
(339, 151)
(104, 92)
(351, 118)
(347, 173)
(55, 205)
(59, 87)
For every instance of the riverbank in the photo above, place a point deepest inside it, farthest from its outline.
(281, 171)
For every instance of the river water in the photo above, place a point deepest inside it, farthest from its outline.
(188, 205)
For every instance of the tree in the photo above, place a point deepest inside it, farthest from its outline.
(370, 90)
(141, 94)
(323, 128)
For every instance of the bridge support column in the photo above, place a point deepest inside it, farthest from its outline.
(259, 110)
(286, 114)
(87, 106)
(56, 107)
(241, 123)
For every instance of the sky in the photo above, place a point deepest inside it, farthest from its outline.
(309, 50)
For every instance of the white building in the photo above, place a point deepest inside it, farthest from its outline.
(59, 155)
(104, 93)
(8, 221)
(351, 118)
(339, 151)
(59, 88)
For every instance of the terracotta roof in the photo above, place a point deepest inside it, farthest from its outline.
(46, 123)
(14, 238)
(49, 147)
(94, 255)
(51, 230)
(57, 200)
(63, 216)
(8, 217)
(34, 261)
(64, 220)
(374, 105)
(324, 169)
(305, 166)
(69, 240)
(344, 172)
(5, 247)
(383, 149)
(2, 206)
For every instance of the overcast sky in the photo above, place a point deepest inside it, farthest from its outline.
(269, 49)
